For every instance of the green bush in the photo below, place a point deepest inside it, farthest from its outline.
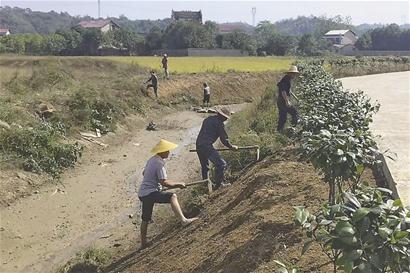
(334, 128)
(366, 231)
(39, 149)
(92, 113)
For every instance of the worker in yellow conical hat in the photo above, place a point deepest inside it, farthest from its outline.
(150, 191)
(163, 146)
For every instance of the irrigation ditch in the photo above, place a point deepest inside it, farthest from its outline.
(241, 229)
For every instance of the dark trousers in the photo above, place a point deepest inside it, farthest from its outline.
(206, 154)
(155, 87)
(283, 115)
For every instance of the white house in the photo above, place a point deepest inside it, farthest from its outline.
(103, 25)
(341, 37)
(4, 31)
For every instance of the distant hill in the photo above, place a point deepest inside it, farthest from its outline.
(363, 28)
(311, 25)
(20, 20)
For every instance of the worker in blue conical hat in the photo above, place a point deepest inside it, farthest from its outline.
(212, 129)
(150, 191)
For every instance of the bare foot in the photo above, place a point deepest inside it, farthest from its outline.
(189, 220)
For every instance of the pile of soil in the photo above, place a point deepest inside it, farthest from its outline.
(242, 228)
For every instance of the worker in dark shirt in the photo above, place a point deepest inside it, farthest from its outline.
(165, 65)
(212, 129)
(284, 105)
(154, 83)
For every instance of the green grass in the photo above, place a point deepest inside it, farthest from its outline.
(91, 260)
(87, 95)
(210, 64)
(256, 125)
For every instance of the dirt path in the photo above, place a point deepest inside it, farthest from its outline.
(93, 201)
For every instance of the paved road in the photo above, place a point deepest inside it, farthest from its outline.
(392, 122)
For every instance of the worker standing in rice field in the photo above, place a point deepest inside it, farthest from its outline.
(154, 83)
(150, 192)
(283, 101)
(165, 65)
(207, 95)
(212, 129)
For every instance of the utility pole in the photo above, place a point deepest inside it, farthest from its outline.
(99, 9)
(253, 16)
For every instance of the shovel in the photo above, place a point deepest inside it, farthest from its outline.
(208, 181)
(254, 147)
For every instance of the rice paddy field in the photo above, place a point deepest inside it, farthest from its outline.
(209, 64)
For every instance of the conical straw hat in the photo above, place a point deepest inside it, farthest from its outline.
(293, 69)
(224, 112)
(163, 146)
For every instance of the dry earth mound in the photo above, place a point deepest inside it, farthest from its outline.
(242, 228)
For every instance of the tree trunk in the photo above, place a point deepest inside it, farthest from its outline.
(332, 193)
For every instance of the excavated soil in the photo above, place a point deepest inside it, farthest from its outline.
(242, 228)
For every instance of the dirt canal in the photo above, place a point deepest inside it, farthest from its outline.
(94, 201)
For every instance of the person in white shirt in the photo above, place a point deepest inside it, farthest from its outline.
(150, 191)
(207, 95)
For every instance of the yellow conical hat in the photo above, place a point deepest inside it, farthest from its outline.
(163, 146)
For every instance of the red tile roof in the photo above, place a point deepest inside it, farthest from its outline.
(4, 30)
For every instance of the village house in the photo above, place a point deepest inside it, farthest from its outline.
(343, 41)
(4, 31)
(103, 25)
(195, 16)
(341, 37)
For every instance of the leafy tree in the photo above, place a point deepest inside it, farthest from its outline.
(72, 40)
(184, 34)
(91, 40)
(154, 39)
(390, 37)
(55, 44)
(364, 42)
(34, 44)
(264, 31)
(280, 45)
(307, 45)
(237, 39)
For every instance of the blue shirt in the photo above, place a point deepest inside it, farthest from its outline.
(212, 129)
(153, 172)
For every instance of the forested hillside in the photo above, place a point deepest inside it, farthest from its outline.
(27, 21)
(20, 20)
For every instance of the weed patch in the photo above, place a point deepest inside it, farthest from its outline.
(89, 261)
(256, 125)
(39, 149)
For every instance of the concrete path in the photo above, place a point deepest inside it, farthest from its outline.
(392, 122)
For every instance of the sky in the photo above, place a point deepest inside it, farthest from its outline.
(383, 12)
